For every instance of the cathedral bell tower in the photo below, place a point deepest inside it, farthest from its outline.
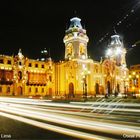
(75, 40)
(116, 50)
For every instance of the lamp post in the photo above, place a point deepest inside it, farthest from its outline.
(85, 73)
(85, 86)
(125, 86)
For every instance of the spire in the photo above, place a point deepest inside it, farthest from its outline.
(20, 53)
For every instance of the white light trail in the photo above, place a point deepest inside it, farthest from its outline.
(70, 112)
(109, 128)
(107, 103)
(65, 131)
(38, 102)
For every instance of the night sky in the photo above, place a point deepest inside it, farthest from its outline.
(38, 24)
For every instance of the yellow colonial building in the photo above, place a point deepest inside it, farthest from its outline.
(134, 79)
(21, 76)
(75, 76)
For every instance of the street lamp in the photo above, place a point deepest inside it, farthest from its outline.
(85, 73)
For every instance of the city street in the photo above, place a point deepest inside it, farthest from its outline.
(70, 70)
(39, 119)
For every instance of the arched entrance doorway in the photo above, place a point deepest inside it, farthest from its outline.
(71, 90)
(97, 89)
(50, 92)
(108, 88)
(20, 90)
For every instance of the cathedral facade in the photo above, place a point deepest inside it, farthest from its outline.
(76, 76)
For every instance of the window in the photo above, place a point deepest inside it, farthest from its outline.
(96, 69)
(69, 49)
(30, 90)
(19, 75)
(1, 61)
(30, 65)
(50, 78)
(36, 65)
(0, 89)
(132, 67)
(50, 67)
(82, 49)
(42, 90)
(20, 63)
(8, 89)
(42, 66)
(36, 90)
(9, 62)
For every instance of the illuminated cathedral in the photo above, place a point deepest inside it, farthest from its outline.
(76, 76)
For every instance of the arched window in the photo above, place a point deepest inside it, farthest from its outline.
(69, 49)
(19, 75)
(82, 49)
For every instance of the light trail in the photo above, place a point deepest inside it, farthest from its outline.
(36, 102)
(107, 103)
(67, 107)
(76, 114)
(109, 128)
(65, 131)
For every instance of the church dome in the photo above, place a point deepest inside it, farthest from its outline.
(75, 22)
(115, 40)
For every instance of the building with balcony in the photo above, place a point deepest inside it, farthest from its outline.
(21, 76)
